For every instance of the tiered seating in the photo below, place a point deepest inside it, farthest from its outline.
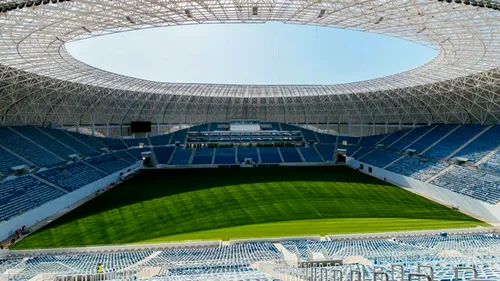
(409, 138)
(270, 126)
(290, 154)
(393, 137)
(326, 151)
(27, 149)
(137, 152)
(244, 152)
(7, 161)
(326, 138)
(135, 142)
(349, 140)
(68, 140)
(23, 194)
(73, 176)
(111, 143)
(308, 135)
(493, 163)
(431, 137)
(417, 168)
(225, 156)
(310, 154)
(108, 163)
(481, 146)
(42, 139)
(179, 136)
(369, 141)
(163, 153)
(181, 156)
(474, 183)
(126, 156)
(379, 158)
(288, 127)
(88, 140)
(203, 156)
(160, 140)
(199, 128)
(269, 155)
(453, 141)
(361, 152)
(350, 149)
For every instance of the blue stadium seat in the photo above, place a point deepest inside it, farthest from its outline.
(431, 137)
(163, 153)
(108, 163)
(70, 141)
(394, 136)
(179, 136)
(88, 140)
(309, 135)
(349, 140)
(350, 149)
(326, 138)
(44, 140)
(112, 143)
(326, 151)
(8, 161)
(453, 141)
(481, 146)
(135, 142)
(181, 156)
(379, 158)
(269, 155)
(203, 156)
(244, 152)
(417, 168)
(225, 156)
(73, 176)
(409, 138)
(161, 139)
(123, 154)
(369, 141)
(290, 154)
(310, 154)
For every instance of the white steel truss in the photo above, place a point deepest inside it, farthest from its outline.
(41, 82)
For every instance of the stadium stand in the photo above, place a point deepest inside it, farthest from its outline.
(290, 154)
(309, 135)
(362, 151)
(393, 137)
(108, 163)
(379, 158)
(203, 156)
(225, 156)
(453, 141)
(137, 152)
(267, 126)
(163, 153)
(310, 154)
(350, 149)
(8, 161)
(269, 155)
(326, 151)
(181, 156)
(288, 127)
(160, 140)
(135, 141)
(481, 146)
(70, 141)
(179, 136)
(493, 163)
(477, 184)
(72, 176)
(23, 194)
(410, 138)
(369, 141)
(27, 149)
(111, 143)
(200, 128)
(349, 140)
(44, 140)
(326, 139)
(431, 137)
(126, 156)
(417, 168)
(88, 140)
(244, 152)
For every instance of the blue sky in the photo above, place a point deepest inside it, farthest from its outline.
(271, 53)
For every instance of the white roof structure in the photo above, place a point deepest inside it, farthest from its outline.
(41, 82)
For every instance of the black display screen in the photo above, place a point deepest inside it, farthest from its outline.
(140, 127)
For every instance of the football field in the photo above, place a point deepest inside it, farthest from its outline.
(208, 204)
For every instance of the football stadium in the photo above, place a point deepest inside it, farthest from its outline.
(105, 176)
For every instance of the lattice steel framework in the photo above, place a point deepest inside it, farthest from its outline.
(41, 82)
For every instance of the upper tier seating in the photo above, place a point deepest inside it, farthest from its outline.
(326, 138)
(30, 151)
(361, 152)
(269, 155)
(179, 136)
(8, 161)
(111, 143)
(163, 153)
(326, 151)
(453, 141)
(409, 138)
(350, 149)
(270, 126)
(417, 168)
(310, 154)
(73, 176)
(199, 128)
(474, 183)
(309, 135)
(23, 194)
(431, 137)
(161, 140)
(203, 156)
(135, 142)
(137, 152)
(108, 163)
(290, 154)
(225, 156)
(44, 140)
(379, 158)
(369, 141)
(481, 146)
(126, 156)
(88, 140)
(181, 156)
(70, 141)
(393, 137)
(244, 152)
(349, 140)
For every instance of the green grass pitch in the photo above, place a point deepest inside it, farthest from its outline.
(193, 204)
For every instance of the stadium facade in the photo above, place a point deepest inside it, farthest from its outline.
(42, 83)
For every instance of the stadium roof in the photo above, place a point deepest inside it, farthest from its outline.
(41, 82)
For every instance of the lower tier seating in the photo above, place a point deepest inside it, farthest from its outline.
(73, 176)
(417, 168)
(269, 155)
(108, 163)
(326, 151)
(244, 153)
(379, 158)
(310, 154)
(225, 156)
(181, 156)
(163, 153)
(203, 156)
(290, 154)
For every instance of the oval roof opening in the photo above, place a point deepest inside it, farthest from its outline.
(260, 54)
